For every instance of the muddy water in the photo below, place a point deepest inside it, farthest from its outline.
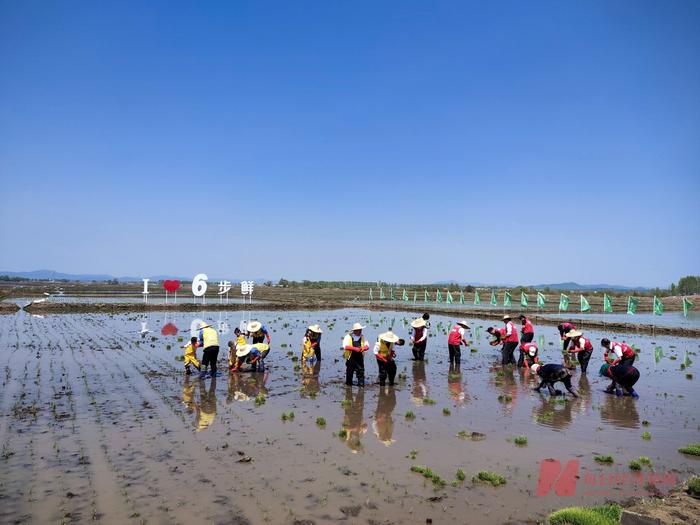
(98, 422)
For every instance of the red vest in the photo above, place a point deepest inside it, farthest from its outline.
(513, 337)
(568, 327)
(529, 348)
(418, 333)
(455, 338)
(626, 350)
(587, 346)
(527, 327)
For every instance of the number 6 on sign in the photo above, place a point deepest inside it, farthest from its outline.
(199, 284)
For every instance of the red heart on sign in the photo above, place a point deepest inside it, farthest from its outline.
(169, 329)
(171, 285)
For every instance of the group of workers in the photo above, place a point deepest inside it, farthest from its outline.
(618, 356)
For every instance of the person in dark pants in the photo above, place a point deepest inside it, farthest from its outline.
(384, 352)
(419, 338)
(582, 347)
(315, 333)
(455, 340)
(565, 328)
(510, 342)
(354, 346)
(209, 340)
(527, 331)
(618, 353)
(551, 374)
(626, 376)
(258, 332)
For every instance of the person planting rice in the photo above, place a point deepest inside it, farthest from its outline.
(190, 351)
(551, 374)
(582, 347)
(384, 352)
(624, 376)
(209, 340)
(253, 355)
(312, 343)
(527, 331)
(565, 328)
(233, 345)
(258, 332)
(617, 353)
(510, 341)
(498, 335)
(419, 338)
(354, 346)
(455, 340)
(528, 355)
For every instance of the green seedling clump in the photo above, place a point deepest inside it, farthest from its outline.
(260, 399)
(694, 486)
(646, 436)
(607, 460)
(693, 449)
(460, 475)
(287, 416)
(446, 411)
(483, 476)
(635, 465)
(520, 441)
(602, 515)
(321, 421)
(505, 398)
(410, 415)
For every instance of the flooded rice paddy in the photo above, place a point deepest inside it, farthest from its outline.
(100, 423)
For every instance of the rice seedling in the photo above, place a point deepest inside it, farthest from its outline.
(605, 460)
(521, 441)
(602, 515)
(321, 421)
(484, 476)
(410, 415)
(693, 449)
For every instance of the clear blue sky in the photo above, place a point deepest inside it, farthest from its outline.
(502, 142)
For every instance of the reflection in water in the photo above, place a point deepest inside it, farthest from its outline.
(243, 386)
(620, 411)
(383, 424)
(504, 380)
(206, 408)
(188, 395)
(454, 385)
(554, 411)
(354, 422)
(419, 390)
(309, 379)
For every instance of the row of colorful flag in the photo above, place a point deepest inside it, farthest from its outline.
(632, 302)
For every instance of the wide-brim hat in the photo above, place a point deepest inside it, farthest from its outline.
(357, 326)
(506, 318)
(316, 329)
(254, 326)
(418, 323)
(243, 350)
(463, 323)
(389, 337)
(535, 368)
(574, 333)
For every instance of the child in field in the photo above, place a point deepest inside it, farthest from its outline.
(233, 346)
(191, 356)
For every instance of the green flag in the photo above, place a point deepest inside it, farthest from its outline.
(523, 300)
(506, 299)
(494, 302)
(370, 294)
(686, 360)
(607, 303)
(404, 296)
(540, 300)
(632, 303)
(477, 299)
(461, 297)
(438, 297)
(563, 302)
(658, 306)
(426, 296)
(449, 298)
(381, 294)
(415, 296)
(391, 294)
(687, 305)
(585, 307)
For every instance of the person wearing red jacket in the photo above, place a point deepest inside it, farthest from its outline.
(582, 347)
(565, 328)
(622, 354)
(455, 339)
(527, 331)
(510, 342)
(528, 355)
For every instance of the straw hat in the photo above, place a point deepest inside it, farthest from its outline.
(243, 350)
(506, 317)
(254, 326)
(357, 326)
(463, 323)
(418, 323)
(535, 368)
(574, 333)
(316, 329)
(389, 337)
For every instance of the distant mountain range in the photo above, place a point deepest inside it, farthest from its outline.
(48, 275)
